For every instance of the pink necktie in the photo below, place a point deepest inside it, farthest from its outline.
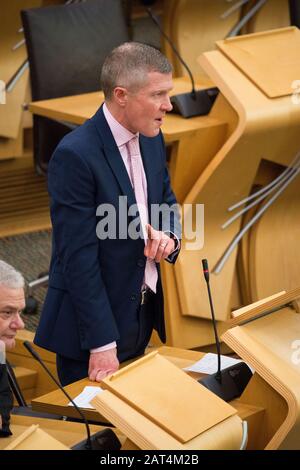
(140, 191)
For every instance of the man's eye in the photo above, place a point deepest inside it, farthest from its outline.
(5, 313)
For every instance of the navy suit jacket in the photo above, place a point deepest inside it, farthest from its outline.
(94, 285)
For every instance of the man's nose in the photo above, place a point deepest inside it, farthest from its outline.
(167, 105)
(18, 322)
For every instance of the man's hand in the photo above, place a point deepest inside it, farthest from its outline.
(103, 363)
(159, 246)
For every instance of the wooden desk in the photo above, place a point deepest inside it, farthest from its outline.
(77, 109)
(66, 432)
(56, 402)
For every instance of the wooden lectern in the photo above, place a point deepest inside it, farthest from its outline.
(267, 336)
(158, 406)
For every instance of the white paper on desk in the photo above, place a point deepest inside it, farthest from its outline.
(83, 399)
(209, 364)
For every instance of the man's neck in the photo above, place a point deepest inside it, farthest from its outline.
(118, 114)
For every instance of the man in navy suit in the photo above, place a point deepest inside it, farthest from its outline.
(105, 294)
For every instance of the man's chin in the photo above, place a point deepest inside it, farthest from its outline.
(152, 133)
(9, 343)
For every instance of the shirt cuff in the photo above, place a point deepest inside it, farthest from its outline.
(106, 347)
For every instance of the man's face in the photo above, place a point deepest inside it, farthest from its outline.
(12, 302)
(145, 109)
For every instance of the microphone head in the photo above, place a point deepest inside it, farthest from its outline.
(205, 264)
(205, 269)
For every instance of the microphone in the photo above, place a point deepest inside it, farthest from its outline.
(196, 102)
(228, 383)
(102, 440)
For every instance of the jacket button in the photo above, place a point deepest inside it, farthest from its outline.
(141, 263)
(133, 297)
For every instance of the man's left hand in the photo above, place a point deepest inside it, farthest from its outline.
(159, 245)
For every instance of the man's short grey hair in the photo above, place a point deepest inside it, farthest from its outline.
(10, 277)
(128, 64)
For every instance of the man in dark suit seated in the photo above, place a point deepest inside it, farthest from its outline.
(114, 219)
(12, 302)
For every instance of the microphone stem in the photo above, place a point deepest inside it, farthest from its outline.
(35, 355)
(219, 375)
(174, 49)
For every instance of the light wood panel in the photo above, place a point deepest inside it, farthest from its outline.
(182, 330)
(265, 128)
(26, 377)
(193, 153)
(260, 393)
(11, 113)
(226, 178)
(274, 257)
(194, 26)
(266, 304)
(247, 52)
(11, 148)
(267, 172)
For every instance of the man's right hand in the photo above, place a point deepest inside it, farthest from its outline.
(102, 364)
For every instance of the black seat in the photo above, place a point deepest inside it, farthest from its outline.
(66, 47)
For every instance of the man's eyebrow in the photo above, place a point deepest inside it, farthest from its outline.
(8, 307)
(163, 90)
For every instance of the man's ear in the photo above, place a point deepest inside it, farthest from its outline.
(120, 96)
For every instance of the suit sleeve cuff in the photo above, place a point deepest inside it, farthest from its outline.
(177, 246)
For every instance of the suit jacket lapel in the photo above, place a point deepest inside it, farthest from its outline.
(116, 163)
(114, 157)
